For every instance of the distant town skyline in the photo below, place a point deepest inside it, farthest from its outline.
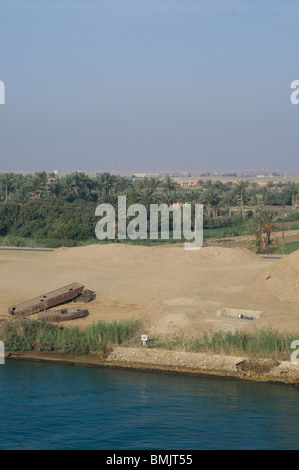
(160, 173)
(154, 85)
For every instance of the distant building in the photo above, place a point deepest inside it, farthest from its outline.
(145, 175)
(139, 175)
(64, 173)
(187, 184)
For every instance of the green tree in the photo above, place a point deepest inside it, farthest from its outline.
(240, 192)
(35, 187)
(106, 182)
(55, 188)
(211, 199)
(20, 196)
(169, 184)
(7, 180)
(228, 201)
(292, 187)
(262, 226)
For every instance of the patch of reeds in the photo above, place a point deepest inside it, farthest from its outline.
(26, 335)
(264, 343)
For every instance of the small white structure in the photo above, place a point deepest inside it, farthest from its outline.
(144, 340)
(239, 313)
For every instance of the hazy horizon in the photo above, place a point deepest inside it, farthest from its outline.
(154, 85)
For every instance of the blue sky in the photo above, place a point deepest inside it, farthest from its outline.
(149, 85)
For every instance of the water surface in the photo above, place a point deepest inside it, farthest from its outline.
(47, 406)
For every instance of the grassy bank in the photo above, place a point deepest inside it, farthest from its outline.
(262, 343)
(29, 335)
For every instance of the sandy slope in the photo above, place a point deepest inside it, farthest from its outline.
(173, 288)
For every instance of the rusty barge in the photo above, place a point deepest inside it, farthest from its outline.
(46, 301)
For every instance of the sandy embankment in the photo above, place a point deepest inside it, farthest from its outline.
(172, 289)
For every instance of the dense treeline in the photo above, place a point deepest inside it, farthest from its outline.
(42, 206)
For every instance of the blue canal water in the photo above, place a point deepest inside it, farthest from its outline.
(46, 406)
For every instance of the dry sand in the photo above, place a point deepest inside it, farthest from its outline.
(172, 288)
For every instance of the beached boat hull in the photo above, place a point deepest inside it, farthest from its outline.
(46, 301)
(64, 314)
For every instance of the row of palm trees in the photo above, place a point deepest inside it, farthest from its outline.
(218, 198)
(77, 185)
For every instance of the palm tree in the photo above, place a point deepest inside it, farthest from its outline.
(55, 188)
(219, 185)
(254, 186)
(42, 177)
(216, 205)
(240, 192)
(194, 196)
(253, 200)
(228, 201)
(154, 182)
(292, 187)
(262, 226)
(7, 180)
(266, 219)
(169, 184)
(270, 185)
(144, 196)
(106, 182)
(210, 198)
(35, 187)
(200, 183)
(169, 197)
(207, 184)
(81, 184)
(122, 184)
(68, 188)
(280, 184)
(265, 192)
(20, 196)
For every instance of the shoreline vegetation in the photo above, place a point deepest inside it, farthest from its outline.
(262, 355)
(46, 211)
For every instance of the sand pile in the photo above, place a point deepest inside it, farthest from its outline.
(226, 256)
(112, 254)
(282, 280)
(133, 255)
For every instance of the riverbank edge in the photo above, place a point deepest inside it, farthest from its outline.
(174, 362)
